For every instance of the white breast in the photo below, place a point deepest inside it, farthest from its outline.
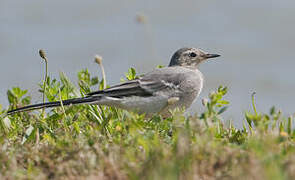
(201, 82)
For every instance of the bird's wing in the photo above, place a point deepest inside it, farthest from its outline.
(146, 85)
(136, 87)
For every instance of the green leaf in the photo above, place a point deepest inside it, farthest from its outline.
(223, 102)
(289, 126)
(131, 74)
(84, 75)
(11, 97)
(26, 100)
(222, 110)
(272, 110)
(160, 66)
(94, 81)
(69, 86)
(101, 84)
(76, 127)
(15, 95)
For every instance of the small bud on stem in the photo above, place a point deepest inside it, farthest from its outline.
(98, 59)
(42, 54)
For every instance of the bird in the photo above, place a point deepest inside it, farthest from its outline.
(158, 91)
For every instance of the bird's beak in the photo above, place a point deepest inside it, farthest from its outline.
(207, 56)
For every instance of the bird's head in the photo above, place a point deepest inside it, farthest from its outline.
(190, 57)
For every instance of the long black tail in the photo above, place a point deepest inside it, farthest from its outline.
(83, 100)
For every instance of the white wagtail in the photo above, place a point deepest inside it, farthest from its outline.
(155, 92)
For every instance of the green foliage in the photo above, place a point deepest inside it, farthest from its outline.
(215, 106)
(160, 66)
(15, 97)
(99, 142)
(131, 74)
(85, 81)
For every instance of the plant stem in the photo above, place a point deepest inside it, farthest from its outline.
(45, 79)
(253, 103)
(98, 60)
(43, 56)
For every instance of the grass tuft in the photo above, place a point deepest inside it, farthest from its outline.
(86, 141)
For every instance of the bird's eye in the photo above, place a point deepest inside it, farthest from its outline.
(192, 54)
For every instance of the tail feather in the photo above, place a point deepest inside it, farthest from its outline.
(68, 102)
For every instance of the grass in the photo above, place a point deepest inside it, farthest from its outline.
(99, 142)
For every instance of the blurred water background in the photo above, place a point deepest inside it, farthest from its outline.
(255, 38)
